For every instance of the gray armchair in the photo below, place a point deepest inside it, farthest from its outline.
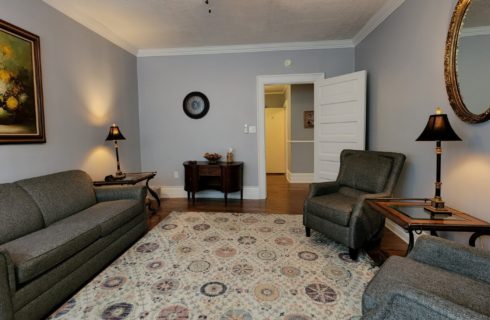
(439, 279)
(337, 209)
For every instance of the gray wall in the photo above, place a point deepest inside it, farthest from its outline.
(169, 137)
(88, 84)
(302, 157)
(405, 60)
(474, 72)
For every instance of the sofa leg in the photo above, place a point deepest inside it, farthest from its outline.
(308, 232)
(353, 253)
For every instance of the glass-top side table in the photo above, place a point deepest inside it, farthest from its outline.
(132, 179)
(411, 216)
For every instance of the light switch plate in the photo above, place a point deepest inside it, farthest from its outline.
(252, 129)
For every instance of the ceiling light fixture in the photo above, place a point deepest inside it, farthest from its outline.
(209, 6)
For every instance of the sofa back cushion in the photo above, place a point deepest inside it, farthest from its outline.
(19, 214)
(364, 170)
(60, 195)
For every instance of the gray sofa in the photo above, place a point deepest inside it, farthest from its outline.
(439, 279)
(58, 231)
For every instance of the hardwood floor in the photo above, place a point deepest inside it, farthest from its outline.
(282, 197)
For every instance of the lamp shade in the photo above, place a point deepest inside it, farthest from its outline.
(114, 134)
(438, 128)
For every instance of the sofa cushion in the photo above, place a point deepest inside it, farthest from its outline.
(364, 171)
(59, 195)
(397, 271)
(41, 250)
(109, 215)
(334, 207)
(19, 214)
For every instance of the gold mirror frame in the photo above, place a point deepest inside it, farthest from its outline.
(450, 69)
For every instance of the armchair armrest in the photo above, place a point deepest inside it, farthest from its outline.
(365, 223)
(120, 193)
(321, 188)
(7, 286)
(452, 256)
(405, 302)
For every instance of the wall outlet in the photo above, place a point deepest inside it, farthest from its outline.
(176, 174)
(245, 128)
(252, 129)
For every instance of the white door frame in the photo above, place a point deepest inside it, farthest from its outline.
(261, 82)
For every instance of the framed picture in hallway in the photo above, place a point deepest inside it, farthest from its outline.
(21, 98)
(309, 119)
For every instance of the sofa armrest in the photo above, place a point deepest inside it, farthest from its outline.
(321, 188)
(7, 286)
(120, 193)
(405, 302)
(452, 256)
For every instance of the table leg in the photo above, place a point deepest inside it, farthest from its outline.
(188, 196)
(241, 195)
(193, 198)
(434, 233)
(476, 235)
(226, 198)
(411, 240)
(155, 196)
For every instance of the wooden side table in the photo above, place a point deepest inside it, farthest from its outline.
(222, 176)
(132, 179)
(411, 216)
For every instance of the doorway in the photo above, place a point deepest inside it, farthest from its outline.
(339, 120)
(273, 134)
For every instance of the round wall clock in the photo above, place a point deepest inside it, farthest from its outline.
(196, 105)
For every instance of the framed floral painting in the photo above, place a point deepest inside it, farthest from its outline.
(21, 96)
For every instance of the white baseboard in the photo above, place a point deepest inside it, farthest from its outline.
(299, 177)
(397, 230)
(179, 192)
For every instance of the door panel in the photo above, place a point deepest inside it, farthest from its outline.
(275, 140)
(340, 121)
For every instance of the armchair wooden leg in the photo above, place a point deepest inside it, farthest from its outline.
(308, 232)
(353, 253)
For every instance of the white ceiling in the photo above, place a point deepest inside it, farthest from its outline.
(138, 25)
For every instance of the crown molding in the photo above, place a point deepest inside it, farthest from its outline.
(386, 10)
(92, 24)
(477, 31)
(262, 47)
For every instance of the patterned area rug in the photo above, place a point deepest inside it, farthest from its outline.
(226, 266)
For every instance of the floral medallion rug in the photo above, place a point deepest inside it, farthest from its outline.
(226, 266)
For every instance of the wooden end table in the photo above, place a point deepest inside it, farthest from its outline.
(222, 176)
(132, 179)
(411, 216)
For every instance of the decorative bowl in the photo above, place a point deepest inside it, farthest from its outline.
(212, 157)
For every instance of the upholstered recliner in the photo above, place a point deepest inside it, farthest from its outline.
(337, 209)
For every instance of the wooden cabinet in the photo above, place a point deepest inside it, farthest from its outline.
(223, 176)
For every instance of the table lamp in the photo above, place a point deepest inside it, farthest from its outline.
(114, 135)
(438, 129)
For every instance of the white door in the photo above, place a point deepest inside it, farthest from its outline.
(340, 121)
(275, 140)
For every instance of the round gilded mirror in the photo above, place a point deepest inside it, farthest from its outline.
(467, 64)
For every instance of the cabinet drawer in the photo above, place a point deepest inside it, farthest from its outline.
(213, 171)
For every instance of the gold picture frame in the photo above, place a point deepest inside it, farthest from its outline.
(21, 94)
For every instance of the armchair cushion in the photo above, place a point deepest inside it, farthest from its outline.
(364, 171)
(402, 272)
(334, 207)
(452, 256)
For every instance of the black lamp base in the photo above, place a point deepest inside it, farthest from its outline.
(437, 207)
(119, 175)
